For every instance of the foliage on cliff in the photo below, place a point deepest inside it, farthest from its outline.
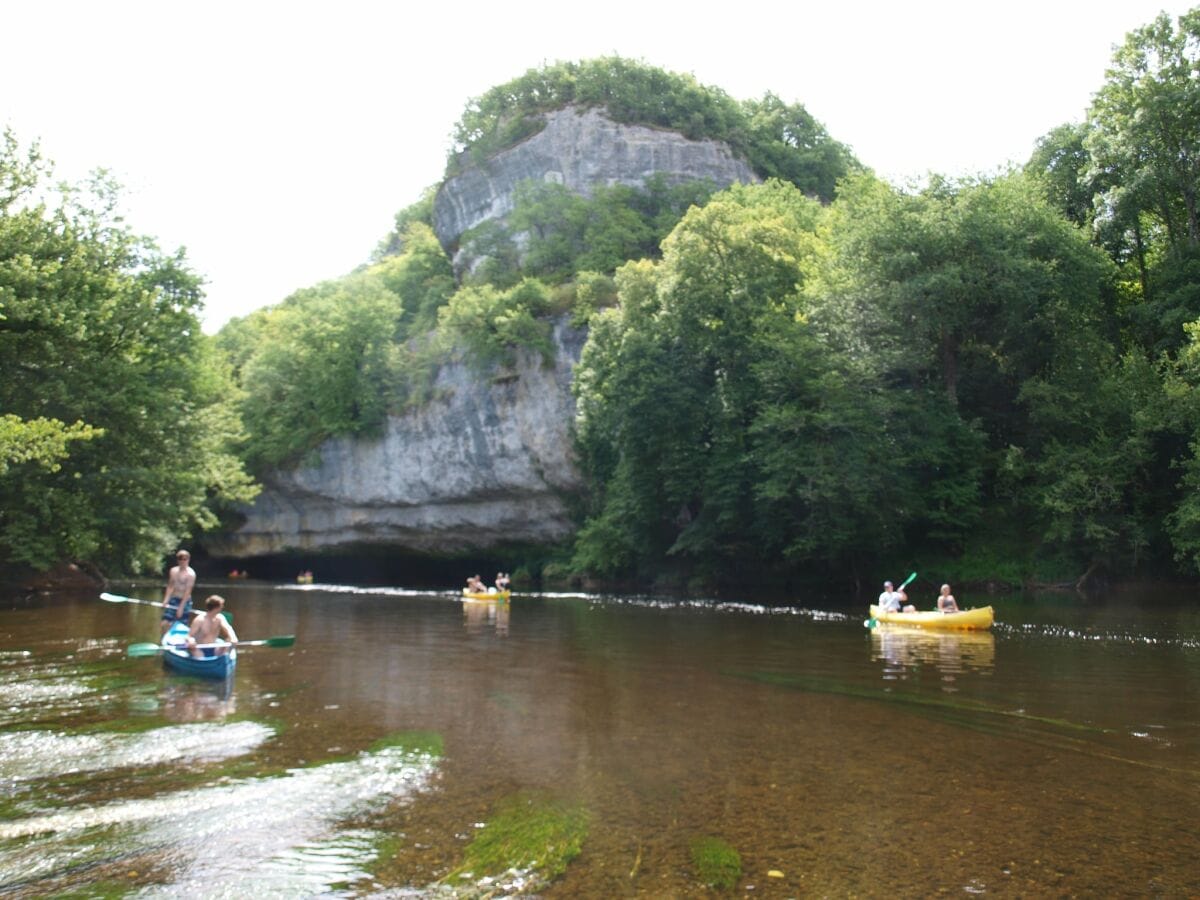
(117, 439)
(336, 358)
(779, 140)
(553, 233)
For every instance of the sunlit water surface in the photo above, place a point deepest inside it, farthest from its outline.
(1057, 754)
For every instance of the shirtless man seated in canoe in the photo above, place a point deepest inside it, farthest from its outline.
(208, 627)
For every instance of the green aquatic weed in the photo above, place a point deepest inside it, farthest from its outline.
(529, 831)
(716, 863)
(429, 743)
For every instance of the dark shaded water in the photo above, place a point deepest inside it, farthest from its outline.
(1057, 755)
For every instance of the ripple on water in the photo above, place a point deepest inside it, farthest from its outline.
(1097, 635)
(26, 755)
(24, 694)
(233, 839)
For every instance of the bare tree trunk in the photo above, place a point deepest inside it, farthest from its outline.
(1081, 586)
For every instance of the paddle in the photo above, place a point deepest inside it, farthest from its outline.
(284, 640)
(117, 598)
(872, 622)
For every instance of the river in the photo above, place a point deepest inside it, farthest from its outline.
(1058, 754)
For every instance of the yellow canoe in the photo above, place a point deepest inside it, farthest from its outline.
(496, 596)
(967, 619)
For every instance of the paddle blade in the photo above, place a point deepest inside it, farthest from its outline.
(114, 598)
(909, 580)
(143, 649)
(283, 640)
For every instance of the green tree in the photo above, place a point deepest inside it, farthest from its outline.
(494, 324)
(1062, 165)
(1180, 411)
(1145, 125)
(679, 392)
(788, 143)
(100, 329)
(984, 290)
(44, 442)
(1144, 141)
(973, 284)
(323, 367)
(420, 212)
(421, 276)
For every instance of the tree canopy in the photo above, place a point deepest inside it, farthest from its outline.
(117, 439)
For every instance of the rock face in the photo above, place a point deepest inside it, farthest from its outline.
(488, 463)
(581, 150)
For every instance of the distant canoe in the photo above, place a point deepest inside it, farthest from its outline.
(493, 596)
(966, 620)
(178, 660)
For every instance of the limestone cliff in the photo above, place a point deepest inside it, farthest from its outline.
(487, 463)
(579, 149)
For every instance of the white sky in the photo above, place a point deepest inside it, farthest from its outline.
(276, 141)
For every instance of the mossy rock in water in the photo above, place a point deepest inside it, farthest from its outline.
(427, 742)
(716, 863)
(99, 890)
(528, 832)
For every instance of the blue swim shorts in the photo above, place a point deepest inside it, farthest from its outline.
(171, 608)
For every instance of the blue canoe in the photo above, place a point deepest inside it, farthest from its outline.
(177, 659)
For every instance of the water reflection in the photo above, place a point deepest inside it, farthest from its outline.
(952, 653)
(481, 614)
(196, 701)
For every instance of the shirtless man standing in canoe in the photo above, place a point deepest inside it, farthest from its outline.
(208, 627)
(177, 597)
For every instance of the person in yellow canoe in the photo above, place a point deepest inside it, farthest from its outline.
(892, 600)
(945, 601)
(208, 627)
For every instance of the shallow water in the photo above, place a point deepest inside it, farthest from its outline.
(1058, 754)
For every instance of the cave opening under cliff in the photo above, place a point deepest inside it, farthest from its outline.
(369, 567)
